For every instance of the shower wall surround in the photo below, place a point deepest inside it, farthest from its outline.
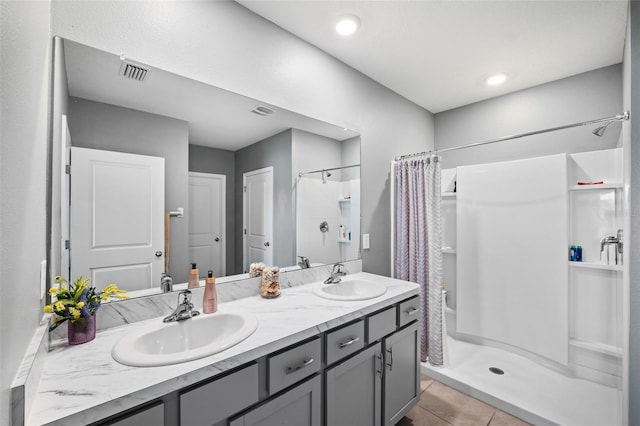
(512, 238)
(499, 286)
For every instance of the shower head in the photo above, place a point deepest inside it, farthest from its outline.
(600, 130)
(325, 174)
(328, 174)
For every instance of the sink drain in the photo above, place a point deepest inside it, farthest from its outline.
(496, 370)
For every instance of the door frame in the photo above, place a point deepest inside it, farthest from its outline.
(223, 204)
(244, 209)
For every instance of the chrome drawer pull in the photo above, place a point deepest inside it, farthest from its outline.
(349, 343)
(411, 311)
(304, 364)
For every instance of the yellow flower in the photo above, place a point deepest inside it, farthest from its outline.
(48, 309)
(53, 290)
(58, 278)
(80, 305)
(74, 312)
(59, 306)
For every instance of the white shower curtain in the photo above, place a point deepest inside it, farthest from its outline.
(418, 244)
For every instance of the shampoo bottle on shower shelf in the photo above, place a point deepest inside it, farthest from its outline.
(194, 282)
(210, 298)
(341, 235)
(579, 254)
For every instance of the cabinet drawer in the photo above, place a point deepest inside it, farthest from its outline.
(381, 324)
(408, 311)
(345, 341)
(218, 400)
(148, 416)
(294, 365)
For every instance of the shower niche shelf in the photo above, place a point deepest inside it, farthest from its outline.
(595, 288)
(593, 265)
(606, 185)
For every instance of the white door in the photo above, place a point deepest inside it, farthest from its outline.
(117, 218)
(258, 217)
(207, 238)
(65, 160)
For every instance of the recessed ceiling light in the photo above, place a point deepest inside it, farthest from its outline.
(496, 79)
(347, 25)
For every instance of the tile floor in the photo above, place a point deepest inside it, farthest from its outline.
(441, 405)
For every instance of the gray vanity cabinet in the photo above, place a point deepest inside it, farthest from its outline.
(354, 390)
(401, 374)
(300, 406)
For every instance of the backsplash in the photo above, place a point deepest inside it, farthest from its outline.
(115, 314)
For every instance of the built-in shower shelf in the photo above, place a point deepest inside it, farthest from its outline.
(344, 200)
(448, 194)
(593, 265)
(343, 240)
(607, 185)
(449, 250)
(597, 347)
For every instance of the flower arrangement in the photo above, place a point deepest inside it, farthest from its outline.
(72, 301)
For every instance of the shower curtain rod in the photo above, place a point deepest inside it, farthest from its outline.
(327, 170)
(621, 117)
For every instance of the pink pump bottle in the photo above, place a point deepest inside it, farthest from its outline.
(210, 298)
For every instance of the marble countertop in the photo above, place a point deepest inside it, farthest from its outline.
(82, 384)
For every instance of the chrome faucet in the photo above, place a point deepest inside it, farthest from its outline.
(184, 310)
(304, 262)
(336, 274)
(166, 283)
(611, 240)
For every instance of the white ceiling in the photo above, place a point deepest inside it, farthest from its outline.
(217, 118)
(437, 53)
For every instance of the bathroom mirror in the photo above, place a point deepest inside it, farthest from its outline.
(242, 180)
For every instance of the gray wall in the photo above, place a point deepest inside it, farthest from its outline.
(315, 152)
(222, 162)
(25, 54)
(351, 156)
(108, 127)
(274, 151)
(633, 100)
(587, 96)
(180, 36)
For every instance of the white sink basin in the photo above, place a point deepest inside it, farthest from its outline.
(183, 341)
(350, 289)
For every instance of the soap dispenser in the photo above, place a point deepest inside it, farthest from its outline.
(194, 282)
(210, 299)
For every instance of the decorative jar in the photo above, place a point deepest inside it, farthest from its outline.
(270, 287)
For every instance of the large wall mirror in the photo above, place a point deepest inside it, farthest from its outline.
(166, 171)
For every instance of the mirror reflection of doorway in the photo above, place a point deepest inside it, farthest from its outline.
(117, 215)
(207, 224)
(257, 206)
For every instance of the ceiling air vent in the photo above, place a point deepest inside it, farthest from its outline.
(262, 110)
(134, 72)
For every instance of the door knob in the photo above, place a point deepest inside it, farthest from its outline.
(158, 253)
(217, 239)
(267, 244)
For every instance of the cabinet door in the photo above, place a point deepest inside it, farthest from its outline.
(301, 406)
(402, 373)
(353, 390)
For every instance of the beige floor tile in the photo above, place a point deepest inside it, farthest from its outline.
(421, 417)
(425, 382)
(455, 407)
(500, 418)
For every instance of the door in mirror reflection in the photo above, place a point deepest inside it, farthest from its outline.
(117, 216)
(207, 239)
(258, 217)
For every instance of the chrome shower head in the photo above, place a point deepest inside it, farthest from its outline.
(600, 130)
